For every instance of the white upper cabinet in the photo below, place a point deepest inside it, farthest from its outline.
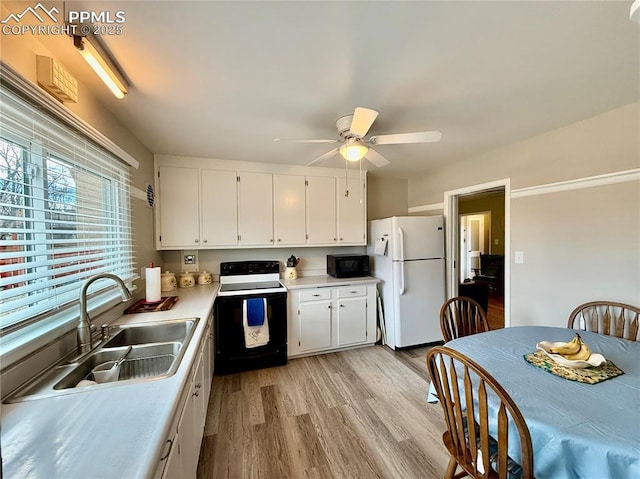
(351, 212)
(219, 218)
(321, 210)
(208, 204)
(255, 209)
(180, 207)
(289, 210)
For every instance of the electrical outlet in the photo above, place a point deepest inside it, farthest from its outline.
(190, 260)
(519, 257)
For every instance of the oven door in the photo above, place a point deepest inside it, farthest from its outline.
(231, 352)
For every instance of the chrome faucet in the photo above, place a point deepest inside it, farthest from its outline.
(84, 326)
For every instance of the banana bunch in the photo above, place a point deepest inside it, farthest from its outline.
(576, 349)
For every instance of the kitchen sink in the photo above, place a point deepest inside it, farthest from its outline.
(151, 333)
(142, 362)
(157, 351)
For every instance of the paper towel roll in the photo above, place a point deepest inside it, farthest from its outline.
(152, 277)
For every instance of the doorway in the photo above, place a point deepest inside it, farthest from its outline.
(475, 240)
(477, 230)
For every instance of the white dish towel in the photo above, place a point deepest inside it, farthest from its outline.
(255, 336)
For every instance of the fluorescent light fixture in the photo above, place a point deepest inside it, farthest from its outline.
(353, 151)
(634, 14)
(99, 61)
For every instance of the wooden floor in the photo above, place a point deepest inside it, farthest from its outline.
(355, 414)
(495, 311)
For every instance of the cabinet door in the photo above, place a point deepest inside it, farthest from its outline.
(172, 470)
(200, 402)
(255, 209)
(314, 319)
(219, 205)
(189, 434)
(352, 321)
(179, 207)
(351, 212)
(289, 209)
(321, 210)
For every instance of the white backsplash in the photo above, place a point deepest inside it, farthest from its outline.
(313, 261)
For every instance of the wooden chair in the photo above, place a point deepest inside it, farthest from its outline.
(464, 388)
(608, 318)
(462, 316)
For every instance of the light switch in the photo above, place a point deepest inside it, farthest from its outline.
(496, 242)
(519, 257)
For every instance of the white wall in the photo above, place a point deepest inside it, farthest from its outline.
(580, 244)
(386, 197)
(312, 260)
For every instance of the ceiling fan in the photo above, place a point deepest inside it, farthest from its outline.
(352, 130)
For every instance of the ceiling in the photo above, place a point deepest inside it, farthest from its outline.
(223, 79)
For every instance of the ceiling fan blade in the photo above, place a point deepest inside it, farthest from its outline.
(363, 118)
(296, 140)
(417, 137)
(325, 156)
(376, 158)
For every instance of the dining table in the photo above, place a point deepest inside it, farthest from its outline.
(578, 430)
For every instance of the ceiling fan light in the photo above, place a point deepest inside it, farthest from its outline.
(353, 152)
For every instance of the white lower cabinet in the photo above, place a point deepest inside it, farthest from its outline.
(327, 318)
(182, 447)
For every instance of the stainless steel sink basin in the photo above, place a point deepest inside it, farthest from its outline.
(158, 349)
(151, 333)
(142, 362)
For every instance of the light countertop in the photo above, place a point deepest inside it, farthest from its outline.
(116, 432)
(325, 281)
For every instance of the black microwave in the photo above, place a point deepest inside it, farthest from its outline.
(347, 265)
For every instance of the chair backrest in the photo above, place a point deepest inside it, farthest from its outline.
(462, 316)
(470, 395)
(608, 318)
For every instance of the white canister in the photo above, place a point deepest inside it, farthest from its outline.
(290, 273)
(186, 280)
(168, 281)
(205, 278)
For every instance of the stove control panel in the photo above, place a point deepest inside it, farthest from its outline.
(235, 268)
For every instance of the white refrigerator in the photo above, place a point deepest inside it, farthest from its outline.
(407, 255)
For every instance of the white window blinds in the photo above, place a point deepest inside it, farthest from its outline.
(64, 213)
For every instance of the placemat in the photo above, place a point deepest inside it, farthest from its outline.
(592, 375)
(141, 306)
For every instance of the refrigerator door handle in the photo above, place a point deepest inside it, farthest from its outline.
(401, 278)
(401, 241)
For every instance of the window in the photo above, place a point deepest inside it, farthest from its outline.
(64, 215)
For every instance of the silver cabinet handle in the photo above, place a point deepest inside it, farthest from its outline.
(342, 305)
(205, 241)
(271, 240)
(341, 239)
(279, 240)
(197, 393)
(196, 241)
(316, 295)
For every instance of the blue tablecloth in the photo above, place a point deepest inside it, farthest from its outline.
(588, 431)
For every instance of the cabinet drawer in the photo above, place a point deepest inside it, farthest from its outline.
(315, 294)
(350, 291)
